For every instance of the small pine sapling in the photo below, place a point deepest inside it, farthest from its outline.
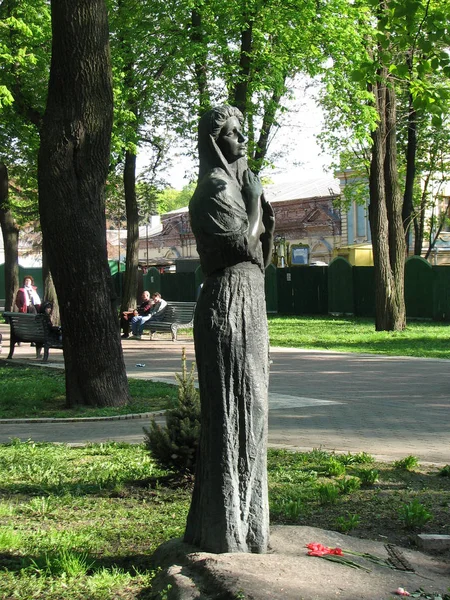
(174, 447)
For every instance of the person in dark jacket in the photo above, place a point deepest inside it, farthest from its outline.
(54, 330)
(141, 311)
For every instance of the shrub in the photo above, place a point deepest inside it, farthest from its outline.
(288, 509)
(346, 524)
(327, 493)
(368, 476)
(408, 463)
(353, 459)
(349, 485)
(445, 471)
(174, 447)
(415, 515)
(334, 468)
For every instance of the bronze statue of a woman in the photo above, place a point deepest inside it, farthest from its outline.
(233, 225)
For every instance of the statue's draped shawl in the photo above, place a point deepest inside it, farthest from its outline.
(219, 222)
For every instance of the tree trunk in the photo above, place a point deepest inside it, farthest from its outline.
(394, 204)
(240, 94)
(411, 150)
(10, 233)
(72, 169)
(201, 57)
(130, 283)
(263, 142)
(384, 216)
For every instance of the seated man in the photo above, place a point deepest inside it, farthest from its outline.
(142, 310)
(156, 313)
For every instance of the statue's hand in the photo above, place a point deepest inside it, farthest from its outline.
(252, 189)
(268, 217)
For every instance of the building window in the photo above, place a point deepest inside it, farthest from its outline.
(361, 221)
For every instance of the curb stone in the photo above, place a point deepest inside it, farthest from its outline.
(147, 415)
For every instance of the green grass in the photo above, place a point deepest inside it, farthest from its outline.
(428, 339)
(37, 392)
(80, 523)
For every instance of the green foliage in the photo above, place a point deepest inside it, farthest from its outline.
(408, 463)
(348, 485)
(368, 476)
(9, 538)
(25, 44)
(327, 492)
(286, 509)
(445, 471)
(346, 524)
(334, 467)
(174, 447)
(415, 515)
(170, 199)
(63, 562)
(359, 458)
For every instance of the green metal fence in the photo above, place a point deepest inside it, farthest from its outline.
(419, 288)
(339, 288)
(341, 299)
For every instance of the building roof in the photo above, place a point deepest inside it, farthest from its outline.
(317, 187)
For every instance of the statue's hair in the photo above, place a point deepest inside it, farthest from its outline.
(209, 128)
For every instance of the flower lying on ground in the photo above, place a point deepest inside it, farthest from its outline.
(316, 549)
(402, 592)
(339, 555)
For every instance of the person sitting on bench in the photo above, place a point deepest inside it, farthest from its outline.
(141, 311)
(156, 313)
(55, 331)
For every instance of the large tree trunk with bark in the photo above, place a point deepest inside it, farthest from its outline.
(385, 218)
(10, 232)
(130, 283)
(73, 164)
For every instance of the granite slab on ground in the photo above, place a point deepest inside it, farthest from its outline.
(288, 573)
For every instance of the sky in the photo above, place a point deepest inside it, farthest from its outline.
(303, 158)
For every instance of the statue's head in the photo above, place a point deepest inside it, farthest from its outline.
(220, 138)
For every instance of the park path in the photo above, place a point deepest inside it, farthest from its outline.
(388, 406)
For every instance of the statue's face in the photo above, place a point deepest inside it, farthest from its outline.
(231, 140)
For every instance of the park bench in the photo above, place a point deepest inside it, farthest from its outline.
(176, 315)
(25, 327)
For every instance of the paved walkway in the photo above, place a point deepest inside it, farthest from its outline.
(389, 407)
